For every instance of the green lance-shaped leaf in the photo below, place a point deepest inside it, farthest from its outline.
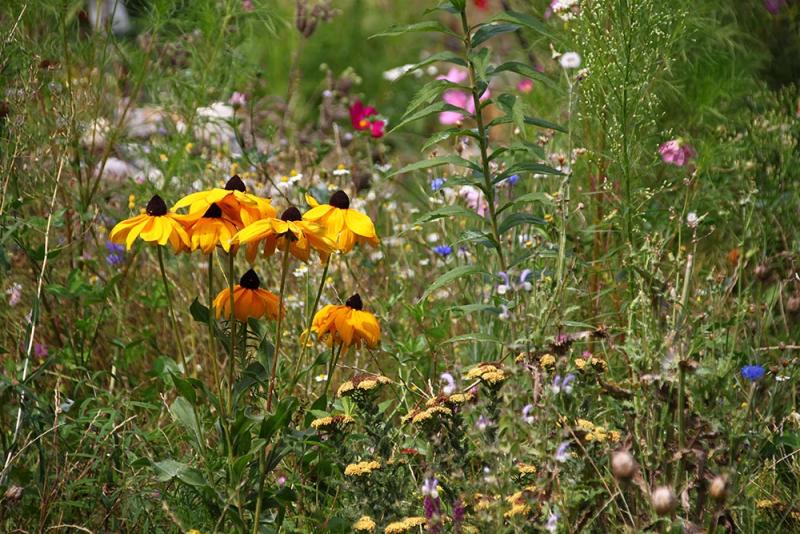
(532, 121)
(447, 212)
(475, 336)
(183, 413)
(436, 162)
(516, 219)
(538, 168)
(524, 70)
(443, 57)
(532, 23)
(424, 26)
(489, 30)
(449, 133)
(427, 111)
(449, 276)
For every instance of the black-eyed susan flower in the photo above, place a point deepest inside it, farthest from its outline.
(155, 225)
(249, 300)
(348, 324)
(344, 225)
(236, 204)
(288, 231)
(212, 229)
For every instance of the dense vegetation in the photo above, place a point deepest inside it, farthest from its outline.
(512, 266)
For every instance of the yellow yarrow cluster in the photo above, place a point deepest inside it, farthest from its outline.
(456, 399)
(332, 422)
(594, 362)
(362, 383)
(547, 361)
(483, 502)
(404, 525)
(519, 502)
(596, 432)
(417, 417)
(364, 524)
(361, 468)
(488, 373)
(526, 469)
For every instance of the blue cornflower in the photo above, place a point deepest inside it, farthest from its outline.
(437, 183)
(116, 253)
(753, 372)
(513, 179)
(443, 250)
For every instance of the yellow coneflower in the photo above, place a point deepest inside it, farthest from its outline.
(290, 230)
(236, 204)
(155, 225)
(344, 225)
(347, 324)
(212, 229)
(249, 300)
(364, 524)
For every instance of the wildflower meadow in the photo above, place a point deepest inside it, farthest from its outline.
(378, 266)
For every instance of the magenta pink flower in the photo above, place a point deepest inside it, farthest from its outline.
(360, 119)
(525, 85)
(238, 99)
(676, 152)
(474, 199)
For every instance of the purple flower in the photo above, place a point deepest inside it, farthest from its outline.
(14, 294)
(563, 384)
(753, 373)
(450, 383)
(459, 512)
(561, 454)
(430, 487)
(238, 99)
(513, 179)
(40, 350)
(482, 423)
(552, 523)
(774, 6)
(437, 183)
(676, 152)
(526, 413)
(443, 250)
(116, 253)
(432, 505)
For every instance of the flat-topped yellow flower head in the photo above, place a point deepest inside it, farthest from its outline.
(348, 324)
(249, 300)
(288, 231)
(344, 225)
(155, 225)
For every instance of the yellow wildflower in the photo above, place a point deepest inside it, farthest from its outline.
(398, 527)
(361, 468)
(364, 524)
(526, 469)
(547, 361)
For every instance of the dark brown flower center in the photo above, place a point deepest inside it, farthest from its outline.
(249, 280)
(156, 207)
(213, 212)
(291, 214)
(355, 302)
(235, 184)
(340, 200)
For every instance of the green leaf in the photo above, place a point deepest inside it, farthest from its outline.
(492, 29)
(471, 308)
(524, 70)
(447, 6)
(199, 312)
(449, 276)
(444, 57)
(446, 212)
(515, 219)
(527, 199)
(477, 336)
(436, 162)
(424, 26)
(449, 133)
(183, 413)
(432, 109)
(281, 417)
(532, 121)
(522, 19)
(538, 168)
(427, 94)
(480, 60)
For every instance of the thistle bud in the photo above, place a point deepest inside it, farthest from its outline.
(623, 465)
(664, 500)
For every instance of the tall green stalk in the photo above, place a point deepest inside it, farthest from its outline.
(232, 324)
(276, 355)
(174, 321)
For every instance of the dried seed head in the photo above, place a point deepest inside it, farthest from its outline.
(719, 488)
(623, 465)
(664, 500)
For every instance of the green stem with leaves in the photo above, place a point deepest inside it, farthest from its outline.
(232, 324)
(483, 139)
(174, 321)
(276, 355)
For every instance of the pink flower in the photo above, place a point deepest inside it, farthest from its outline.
(376, 128)
(474, 199)
(525, 85)
(238, 99)
(247, 5)
(14, 294)
(457, 98)
(676, 152)
(774, 6)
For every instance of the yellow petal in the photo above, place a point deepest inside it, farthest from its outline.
(359, 223)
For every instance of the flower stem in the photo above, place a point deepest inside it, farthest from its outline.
(171, 309)
(483, 141)
(332, 366)
(309, 320)
(212, 345)
(232, 324)
(276, 355)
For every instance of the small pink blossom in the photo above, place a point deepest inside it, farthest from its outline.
(676, 152)
(474, 199)
(14, 294)
(525, 86)
(247, 5)
(238, 99)
(457, 98)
